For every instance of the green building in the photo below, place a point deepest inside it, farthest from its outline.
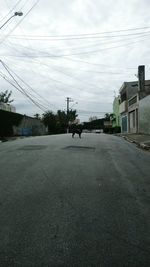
(116, 115)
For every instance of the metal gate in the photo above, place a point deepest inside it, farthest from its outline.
(124, 124)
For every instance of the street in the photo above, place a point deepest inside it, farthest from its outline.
(74, 202)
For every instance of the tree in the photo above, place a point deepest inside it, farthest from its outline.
(94, 124)
(62, 121)
(5, 97)
(72, 115)
(58, 123)
(50, 120)
(109, 116)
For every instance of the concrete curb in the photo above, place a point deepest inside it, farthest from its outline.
(9, 139)
(128, 139)
(141, 145)
(144, 146)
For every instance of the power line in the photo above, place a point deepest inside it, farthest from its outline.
(85, 35)
(41, 97)
(87, 52)
(21, 89)
(103, 49)
(83, 61)
(72, 77)
(47, 54)
(78, 38)
(95, 64)
(89, 111)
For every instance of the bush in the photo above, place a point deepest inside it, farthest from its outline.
(108, 130)
(117, 129)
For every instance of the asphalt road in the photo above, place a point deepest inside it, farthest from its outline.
(74, 202)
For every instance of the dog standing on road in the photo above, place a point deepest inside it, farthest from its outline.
(77, 131)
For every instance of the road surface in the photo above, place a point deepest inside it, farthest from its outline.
(74, 202)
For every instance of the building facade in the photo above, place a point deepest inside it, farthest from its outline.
(134, 107)
(144, 115)
(127, 91)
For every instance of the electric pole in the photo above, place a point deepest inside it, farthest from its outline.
(68, 99)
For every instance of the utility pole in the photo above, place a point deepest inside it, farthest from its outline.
(68, 99)
(141, 81)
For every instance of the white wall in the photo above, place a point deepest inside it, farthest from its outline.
(7, 107)
(144, 115)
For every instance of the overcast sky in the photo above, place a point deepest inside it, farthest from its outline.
(82, 49)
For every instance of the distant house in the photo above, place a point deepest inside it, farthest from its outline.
(7, 107)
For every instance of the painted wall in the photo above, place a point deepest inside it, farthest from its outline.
(144, 115)
(29, 126)
(116, 122)
(17, 124)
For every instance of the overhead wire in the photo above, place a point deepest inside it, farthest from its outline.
(54, 80)
(25, 83)
(87, 52)
(91, 71)
(84, 61)
(103, 49)
(92, 112)
(75, 88)
(96, 64)
(65, 73)
(21, 8)
(84, 36)
(74, 77)
(21, 89)
(118, 36)
(77, 60)
(93, 45)
(31, 89)
(70, 76)
(66, 57)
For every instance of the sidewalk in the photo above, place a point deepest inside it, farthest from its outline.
(5, 139)
(141, 140)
